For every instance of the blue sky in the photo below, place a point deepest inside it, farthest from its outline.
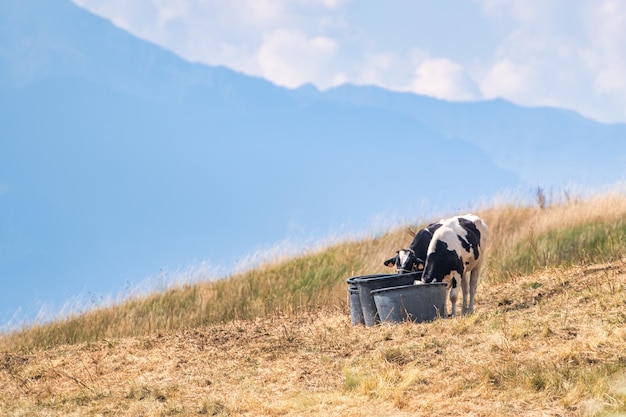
(560, 53)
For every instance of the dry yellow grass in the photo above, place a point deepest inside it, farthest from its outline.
(548, 343)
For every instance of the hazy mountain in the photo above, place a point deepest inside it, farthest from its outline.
(543, 146)
(118, 158)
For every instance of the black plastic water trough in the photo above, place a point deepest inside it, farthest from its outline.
(417, 303)
(368, 283)
(356, 312)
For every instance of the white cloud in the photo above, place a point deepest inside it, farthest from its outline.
(560, 53)
(445, 79)
(374, 68)
(170, 10)
(291, 58)
(557, 52)
(329, 4)
(505, 79)
(260, 12)
(388, 69)
(607, 45)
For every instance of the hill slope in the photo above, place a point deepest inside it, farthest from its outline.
(549, 344)
(546, 338)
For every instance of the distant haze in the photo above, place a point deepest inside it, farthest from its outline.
(121, 161)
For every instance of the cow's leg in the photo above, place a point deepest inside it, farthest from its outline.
(473, 284)
(454, 295)
(465, 287)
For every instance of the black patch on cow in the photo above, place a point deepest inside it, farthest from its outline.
(441, 262)
(472, 238)
(433, 227)
(466, 245)
(422, 239)
(392, 261)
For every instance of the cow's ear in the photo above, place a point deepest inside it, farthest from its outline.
(390, 262)
(420, 264)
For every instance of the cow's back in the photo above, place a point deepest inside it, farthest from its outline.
(466, 235)
(480, 225)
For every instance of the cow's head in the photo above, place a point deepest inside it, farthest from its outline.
(405, 262)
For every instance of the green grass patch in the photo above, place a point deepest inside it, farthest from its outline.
(562, 247)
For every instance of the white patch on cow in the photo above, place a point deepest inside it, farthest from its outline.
(403, 254)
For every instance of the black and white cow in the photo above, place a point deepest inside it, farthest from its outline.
(456, 250)
(412, 258)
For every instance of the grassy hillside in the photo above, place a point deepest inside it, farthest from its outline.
(547, 337)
